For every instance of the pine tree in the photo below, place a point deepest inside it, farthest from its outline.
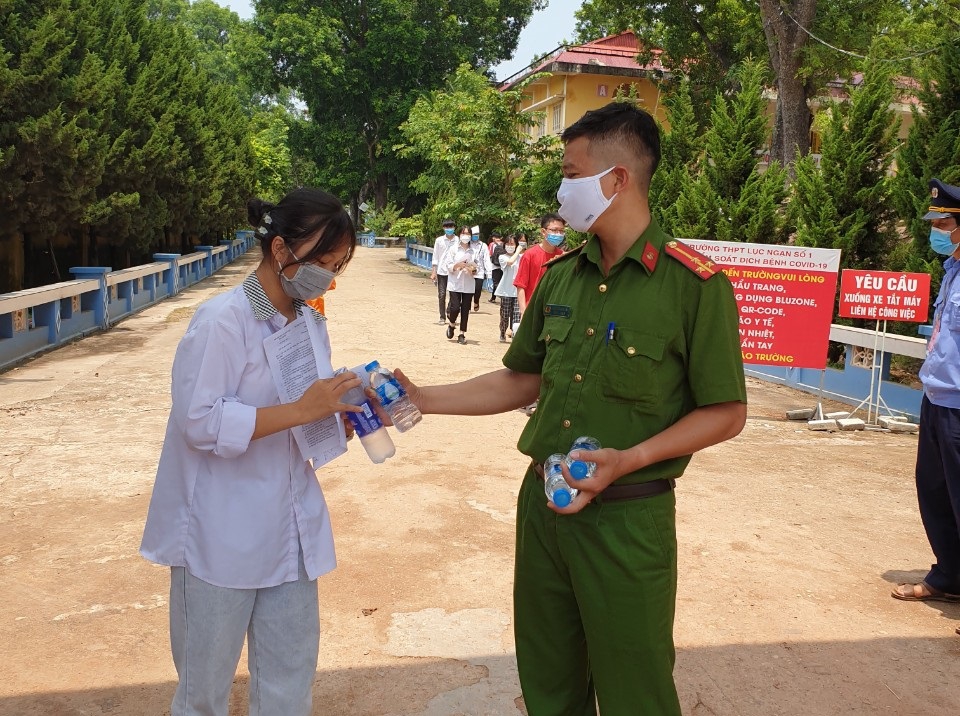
(725, 196)
(678, 149)
(845, 203)
(932, 149)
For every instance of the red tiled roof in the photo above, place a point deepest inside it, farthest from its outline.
(616, 51)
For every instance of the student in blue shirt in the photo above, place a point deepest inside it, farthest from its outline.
(938, 449)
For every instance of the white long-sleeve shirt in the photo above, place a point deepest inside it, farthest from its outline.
(441, 245)
(232, 510)
(461, 281)
(509, 264)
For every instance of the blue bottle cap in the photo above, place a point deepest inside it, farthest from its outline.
(561, 497)
(578, 469)
(372, 366)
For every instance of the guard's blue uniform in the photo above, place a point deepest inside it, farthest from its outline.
(938, 451)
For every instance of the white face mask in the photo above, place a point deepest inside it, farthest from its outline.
(309, 282)
(582, 200)
(510, 249)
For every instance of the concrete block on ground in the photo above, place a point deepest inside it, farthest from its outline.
(841, 415)
(801, 414)
(851, 424)
(885, 421)
(900, 427)
(822, 425)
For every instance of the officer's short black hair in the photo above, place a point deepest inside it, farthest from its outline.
(619, 126)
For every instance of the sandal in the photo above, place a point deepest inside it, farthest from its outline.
(922, 592)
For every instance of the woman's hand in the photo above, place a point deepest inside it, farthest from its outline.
(324, 397)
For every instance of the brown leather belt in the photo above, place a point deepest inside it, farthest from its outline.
(636, 491)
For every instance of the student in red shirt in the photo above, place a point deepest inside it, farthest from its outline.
(531, 269)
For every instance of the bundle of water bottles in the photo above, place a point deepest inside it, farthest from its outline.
(557, 488)
(394, 401)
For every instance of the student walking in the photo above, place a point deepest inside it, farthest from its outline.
(461, 265)
(508, 260)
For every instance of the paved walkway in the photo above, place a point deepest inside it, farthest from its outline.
(789, 541)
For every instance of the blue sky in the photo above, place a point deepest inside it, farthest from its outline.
(546, 29)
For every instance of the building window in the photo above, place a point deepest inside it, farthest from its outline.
(557, 118)
(542, 124)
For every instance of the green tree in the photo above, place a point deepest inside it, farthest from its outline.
(845, 202)
(359, 67)
(727, 197)
(932, 149)
(679, 148)
(474, 141)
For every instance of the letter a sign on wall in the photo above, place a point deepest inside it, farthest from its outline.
(884, 295)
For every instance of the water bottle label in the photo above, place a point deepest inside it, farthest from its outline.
(389, 392)
(366, 422)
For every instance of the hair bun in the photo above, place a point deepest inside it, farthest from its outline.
(256, 208)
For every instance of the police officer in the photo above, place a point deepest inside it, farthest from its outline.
(631, 339)
(938, 449)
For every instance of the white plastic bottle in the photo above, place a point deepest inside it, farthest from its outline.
(579, 469)
(556, 488)
(393, 398)
(368, 427)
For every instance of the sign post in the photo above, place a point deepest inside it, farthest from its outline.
(882, 296)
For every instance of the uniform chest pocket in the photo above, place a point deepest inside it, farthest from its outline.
(629, 367)
(951, 314)
(554, 336)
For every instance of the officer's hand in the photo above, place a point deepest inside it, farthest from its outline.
(413, 391)
(610, 467)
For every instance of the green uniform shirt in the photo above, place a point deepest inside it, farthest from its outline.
(675, 347)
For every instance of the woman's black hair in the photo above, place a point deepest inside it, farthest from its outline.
(510, 237)
(464, 230)
(297, 218)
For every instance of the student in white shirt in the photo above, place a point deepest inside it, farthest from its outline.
(509, 260)
(462, 266)
(484, 268)
(438, 273)
(236, 512)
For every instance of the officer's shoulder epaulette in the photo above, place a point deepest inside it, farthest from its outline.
(702, 266)
(565, 255)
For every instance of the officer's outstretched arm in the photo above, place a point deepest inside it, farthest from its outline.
(496, 392)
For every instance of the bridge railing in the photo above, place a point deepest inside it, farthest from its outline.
(38, 319)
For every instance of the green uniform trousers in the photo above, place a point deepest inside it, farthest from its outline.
(594, 601)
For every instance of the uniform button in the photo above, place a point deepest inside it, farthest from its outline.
(548, 338)
(566, 423)
(631, 350)
(590, 331)
(578, 378)
(603, 288)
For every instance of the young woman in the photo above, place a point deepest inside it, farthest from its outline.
(461, 262)
(507, 292)
(237, 512)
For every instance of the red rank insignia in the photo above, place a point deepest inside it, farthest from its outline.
(693, 260)
(650, 256)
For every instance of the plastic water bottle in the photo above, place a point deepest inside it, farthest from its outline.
(393, 398)
(367, 426)
(557, 489)
(579, 469)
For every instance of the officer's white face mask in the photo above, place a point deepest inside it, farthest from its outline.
(582, 200)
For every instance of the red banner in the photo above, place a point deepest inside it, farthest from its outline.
(885, 295)
(785, 295)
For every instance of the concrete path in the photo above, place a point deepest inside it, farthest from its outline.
(789, 541)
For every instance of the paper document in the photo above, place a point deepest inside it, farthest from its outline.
(298, 355)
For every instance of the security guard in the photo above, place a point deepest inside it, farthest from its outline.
(938, 449)
(632, 339)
